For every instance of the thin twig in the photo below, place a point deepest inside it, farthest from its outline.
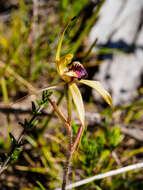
(18, 142)
(104, 175)
(114, 155)
(51, 115)
(61, 116)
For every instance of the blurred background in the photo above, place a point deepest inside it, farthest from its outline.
(107, 38)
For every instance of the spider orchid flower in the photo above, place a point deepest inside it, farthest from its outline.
(73, 73)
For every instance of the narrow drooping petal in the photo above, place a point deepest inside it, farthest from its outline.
(78, 138)
(77, 98)
(100, 89)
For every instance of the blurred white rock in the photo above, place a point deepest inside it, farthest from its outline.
(120, 24)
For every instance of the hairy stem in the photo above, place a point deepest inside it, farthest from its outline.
(66, 169)
(70, 141)
(71, 145)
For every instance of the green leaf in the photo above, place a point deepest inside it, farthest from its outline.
(12, 138)
(33, 107)
(45, 95)
(115, 137)
(34, 123)
(65, 3)
(15, 155)
(40, 185)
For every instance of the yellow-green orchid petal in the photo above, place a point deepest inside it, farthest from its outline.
(99, 88)
(60, 43)
(77, 98)
(63, 63)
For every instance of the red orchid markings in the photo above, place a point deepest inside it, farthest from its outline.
(79, 70)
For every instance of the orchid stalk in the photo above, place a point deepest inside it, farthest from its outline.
(73, 73)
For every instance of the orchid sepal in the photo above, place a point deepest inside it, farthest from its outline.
(78, 101)
(99, 89)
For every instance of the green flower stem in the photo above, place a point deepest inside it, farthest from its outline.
(69, 104)
(69, 107)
